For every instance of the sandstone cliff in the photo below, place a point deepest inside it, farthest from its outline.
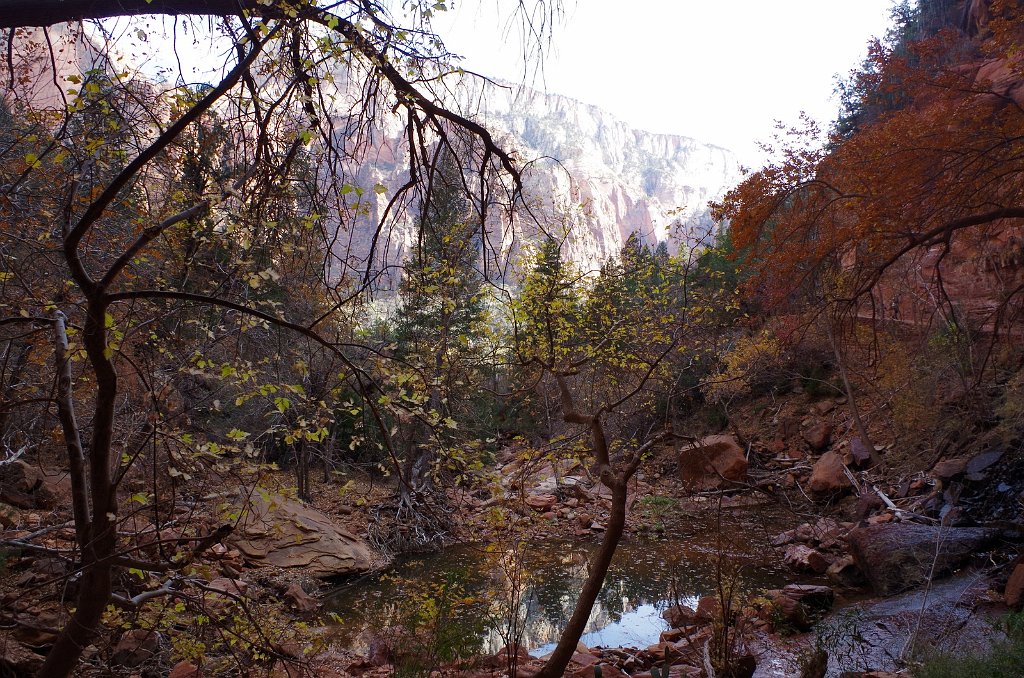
(590, 178)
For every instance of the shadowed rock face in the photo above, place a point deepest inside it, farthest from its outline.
(897, 557)
(976, 16)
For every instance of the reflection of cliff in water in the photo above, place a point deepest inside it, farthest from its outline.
(644, 577)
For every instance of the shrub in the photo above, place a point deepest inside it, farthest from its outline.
(1005, 659)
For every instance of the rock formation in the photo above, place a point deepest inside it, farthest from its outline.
(591, 180)
(279, 531)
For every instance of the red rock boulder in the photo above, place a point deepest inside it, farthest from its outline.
(712, 462)
(828, 476)
(895, 557)
(818, 436)
(801, 558)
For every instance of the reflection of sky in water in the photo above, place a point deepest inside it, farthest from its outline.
(638, 628)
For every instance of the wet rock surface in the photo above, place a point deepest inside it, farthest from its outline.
(954, 616)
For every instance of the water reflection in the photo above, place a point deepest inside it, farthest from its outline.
(471, 592)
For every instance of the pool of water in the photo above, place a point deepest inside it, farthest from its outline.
(477, 598)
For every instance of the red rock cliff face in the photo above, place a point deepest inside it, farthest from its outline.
(1002, 77)
(978, 281)
(591, 179)
(73, 54)
(985, 277)
(976, 15)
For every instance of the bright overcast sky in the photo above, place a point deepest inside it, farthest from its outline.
(721, 71)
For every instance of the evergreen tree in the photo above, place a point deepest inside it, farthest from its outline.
(439, 320)
(440, 291)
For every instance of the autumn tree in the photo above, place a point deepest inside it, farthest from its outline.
(440, 311)
(928, 179)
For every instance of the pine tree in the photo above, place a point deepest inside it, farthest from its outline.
(440, 315)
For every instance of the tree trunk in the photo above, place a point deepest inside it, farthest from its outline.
(302, 481)
(851, 399)
(11, 381)
(72, 434)
(95, 589)
(95, 586)
(570, 637)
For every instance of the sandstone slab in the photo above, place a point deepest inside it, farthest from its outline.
(282, 532)
(541, 503)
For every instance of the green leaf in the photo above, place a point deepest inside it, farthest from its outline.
(236, 434)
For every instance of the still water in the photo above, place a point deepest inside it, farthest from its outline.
(475, 595)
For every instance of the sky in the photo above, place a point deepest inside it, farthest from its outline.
(722, 71)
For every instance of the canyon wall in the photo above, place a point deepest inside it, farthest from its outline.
(590, 179)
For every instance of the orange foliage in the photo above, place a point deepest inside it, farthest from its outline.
(914, 193)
